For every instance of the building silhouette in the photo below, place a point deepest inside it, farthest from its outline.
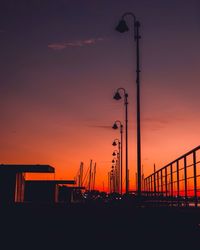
(12, 180)
(48, 191)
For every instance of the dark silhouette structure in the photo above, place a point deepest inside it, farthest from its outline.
(68, 194)
(12, 180)
(48, 191)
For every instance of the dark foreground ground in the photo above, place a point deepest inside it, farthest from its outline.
(99, 226)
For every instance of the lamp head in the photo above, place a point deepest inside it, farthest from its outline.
(117, 96)
(114, 143)
(122, 26)
(115, 126)
(114, 154)
(113, 161)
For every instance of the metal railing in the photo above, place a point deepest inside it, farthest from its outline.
(178, 181)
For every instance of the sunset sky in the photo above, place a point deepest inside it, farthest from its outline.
(61, 62)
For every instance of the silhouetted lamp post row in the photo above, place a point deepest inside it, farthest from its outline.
(115, 167)
(117, 162)
(122, 27)
(113, 181)
(115, 126)
(110, 180)
(117, 97)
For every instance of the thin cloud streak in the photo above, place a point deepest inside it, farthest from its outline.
(100, 126)
(157, 123)
(78, 43)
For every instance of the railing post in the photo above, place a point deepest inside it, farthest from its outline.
(178, 183)
(177, 176)
(158, 183)
(154, 175)
(195, 179)
(166, 181)
(171, 179)
(185, 177)
(149, 186)
(145, 185)
(161, 180)
(171, 184)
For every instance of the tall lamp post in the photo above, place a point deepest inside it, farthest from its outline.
(117, 97)
(115, 126)
(123, 27)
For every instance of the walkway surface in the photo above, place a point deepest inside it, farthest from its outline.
(100, 226)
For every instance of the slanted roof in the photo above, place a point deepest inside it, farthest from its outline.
(23, 168)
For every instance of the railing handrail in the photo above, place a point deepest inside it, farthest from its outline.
(179, 158)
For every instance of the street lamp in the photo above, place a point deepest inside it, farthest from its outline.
(117, 97)
(115, 152)
(123, 27)
(113, 161)
(115, 126)
(116, 142)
